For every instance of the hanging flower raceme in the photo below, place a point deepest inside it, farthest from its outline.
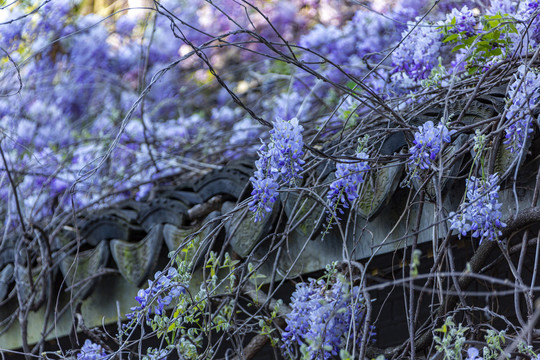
(527, 12)
(281, 158)
(461, 21)
(418, 52)
(480, 214)
(160, 293)
(349, 175)
(524, 99)
(324, 317)
(428, 141)
(91, 351)
(265, 187)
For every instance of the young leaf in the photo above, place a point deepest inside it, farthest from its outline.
(451, 37)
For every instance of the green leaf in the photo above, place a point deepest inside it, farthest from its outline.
(344, 354)
(512, 28)
(493, 24)
(470, 40)
(495, 52)
(451, 37)
(489, 36)
(458, 47)
(472, 70)
(351, 84)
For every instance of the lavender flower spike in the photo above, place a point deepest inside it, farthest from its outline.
(464, 20)
(282, 157)
(160, 293)
(286, 148)
(480, 213)
(427, 145)
(524, 99)
(91, 351)
(473, 354)
(322, 318)
(348, 176)
(418, 53)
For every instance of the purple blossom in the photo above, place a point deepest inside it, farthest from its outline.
(524, 99)
(265, 192)
(285, 105)
(79, 87)
(91, 351)
(241, 141)
(480, 213)
(418, 53)
(464, 20)
(125, 25)
(528, 12)
(445, 7)
(282, 157)
(472, 354)
(322, 316)
(502, 7)
(323, 40)
(226, 116)
(286, 149)
(11, 32)
(408, 9)
(161, 292)
(428, 141)
(349, 175)
(365, 34)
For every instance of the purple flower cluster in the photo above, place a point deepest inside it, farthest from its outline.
(349, 175)
(428, 141)
(161, 292)
(528, 12)
(282, 157)
(480, 213)
(286, 149)
(473, 354)
(418, 53)
(524, 98)
(465, 22)
(363, 39)
(502, 7)
(323, 317)
(91, 351)
(82, 74)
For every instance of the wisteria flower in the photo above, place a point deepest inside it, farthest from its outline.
(265, 185)
(480, 214)
(349, 175)
(418, 53)
(428, 141)
(528, 12)
(464, 22)
(524, 99)
(321, 317)
(473, 354)
(286, 148)
(280, 159)
(91, 351)
(160, 293)
(501, 7)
